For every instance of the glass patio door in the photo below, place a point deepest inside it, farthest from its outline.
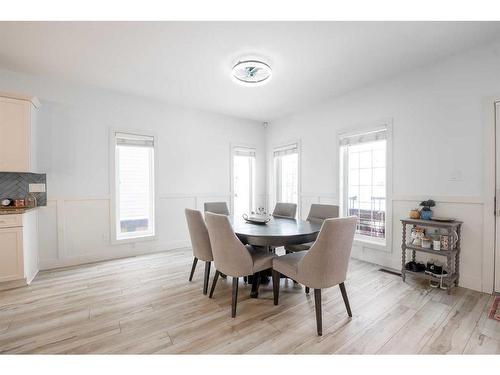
(243, 180)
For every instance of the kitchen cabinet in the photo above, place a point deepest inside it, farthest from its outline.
(18, 249)
(18, 133)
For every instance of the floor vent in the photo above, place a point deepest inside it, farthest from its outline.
(395, 273)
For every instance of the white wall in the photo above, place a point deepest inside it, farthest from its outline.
(438, 135)
(439, 132)
(74, 121)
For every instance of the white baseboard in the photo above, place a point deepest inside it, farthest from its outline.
(6, 285)
(28, 281)
(384, 262)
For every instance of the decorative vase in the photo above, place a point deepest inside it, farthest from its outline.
(425, 215)
(414, 214)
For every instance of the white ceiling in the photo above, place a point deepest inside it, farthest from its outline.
(189, 63)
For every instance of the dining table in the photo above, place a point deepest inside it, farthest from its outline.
(278, 231)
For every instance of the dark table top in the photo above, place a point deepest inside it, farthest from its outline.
(277, 232)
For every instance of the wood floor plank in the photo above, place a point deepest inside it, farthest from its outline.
(377, 334)
(413, 336)
(455, 331)
(482, 344)
(145, 304)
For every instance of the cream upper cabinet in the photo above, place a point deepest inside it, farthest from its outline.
(17, 129)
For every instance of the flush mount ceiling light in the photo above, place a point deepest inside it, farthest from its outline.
(251, 73)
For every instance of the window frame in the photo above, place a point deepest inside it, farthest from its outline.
(253, 186)
(275, 180)
(361, 240)
(114, 239)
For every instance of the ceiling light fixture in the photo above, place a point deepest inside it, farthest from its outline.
(251, 73)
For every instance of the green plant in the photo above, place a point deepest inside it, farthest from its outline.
(426, 205)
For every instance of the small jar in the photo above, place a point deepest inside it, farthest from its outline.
(436, 244)
(19, 203)
(445, 242)
(426, 242)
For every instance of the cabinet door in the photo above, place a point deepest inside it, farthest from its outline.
(11, 254)
(14, 135)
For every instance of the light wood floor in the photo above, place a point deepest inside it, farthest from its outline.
(146, 305)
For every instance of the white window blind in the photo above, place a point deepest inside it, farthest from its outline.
(371, 136)
(244, 151)
(124, 139)
(286, 150)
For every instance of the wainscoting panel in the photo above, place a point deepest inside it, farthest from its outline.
(470, 212)
(200, 200)
(47, 230)
(472, 236)
(172, 226)
(75, 231)
(307, 199)
(325, 199)
(305, 204)
(86, 227)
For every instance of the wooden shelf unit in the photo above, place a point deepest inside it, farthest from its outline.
(452, 256)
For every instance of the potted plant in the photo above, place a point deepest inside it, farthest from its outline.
(426, 212)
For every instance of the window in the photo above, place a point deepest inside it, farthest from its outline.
(134, 186)
(286, 171)
(363, 176)
(243, 180)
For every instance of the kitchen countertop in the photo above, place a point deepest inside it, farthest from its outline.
(15, 210)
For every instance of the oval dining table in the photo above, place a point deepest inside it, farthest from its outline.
(277, 232)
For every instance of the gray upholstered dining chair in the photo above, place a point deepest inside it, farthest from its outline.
(317, 214)
(323, 266)
(200, 242)
(233, 258)
(217, 207)
(286, 210)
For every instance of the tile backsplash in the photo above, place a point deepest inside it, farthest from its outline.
(15, 185)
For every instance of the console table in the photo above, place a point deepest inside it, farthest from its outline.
(452, 255)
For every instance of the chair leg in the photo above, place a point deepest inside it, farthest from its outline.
(307, 290)
(234, 297)
(214, 283)
(195, 260)
(276, 286)
(207, 275)
(319, 318)
(255, 285)
(222, 275)
(346, 300)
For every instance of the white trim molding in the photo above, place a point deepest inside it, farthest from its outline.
(59, 248)
(112, 185)
(440, 199)
(272, 173)
(371, 127)
(232, 148)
